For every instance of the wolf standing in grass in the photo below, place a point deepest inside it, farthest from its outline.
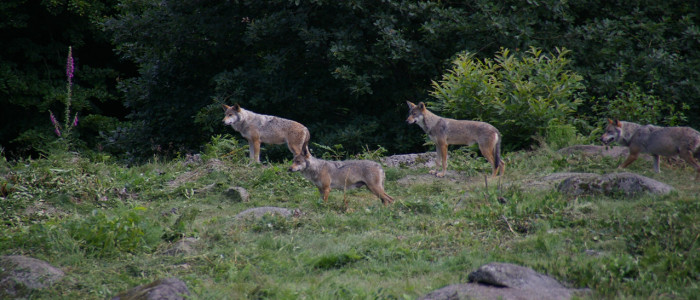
(445, 131)
(258, 128)
(655, 140)
(347, 174)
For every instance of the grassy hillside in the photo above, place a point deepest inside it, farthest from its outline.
(108, 225)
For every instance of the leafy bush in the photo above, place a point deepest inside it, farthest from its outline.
(520, 96)
(634, 105)
(558, 136)
(375, 155)
(225, 146)
(128, 231)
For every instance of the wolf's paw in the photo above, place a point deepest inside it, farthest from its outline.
(441, 174)
(432, 172)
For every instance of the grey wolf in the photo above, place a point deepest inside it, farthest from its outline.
(655, 140)
(445, 131)
(259, 128)
(348, 174)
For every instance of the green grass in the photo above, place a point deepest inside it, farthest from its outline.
(107, 225)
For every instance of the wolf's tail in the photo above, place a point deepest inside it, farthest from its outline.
(498, 162)
(696, 150)
(305, 146)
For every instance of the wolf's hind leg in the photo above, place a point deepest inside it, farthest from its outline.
(441, 148)
(295, 149)
(378, 190)
(687, 155)
(487, 152)
(325, 192)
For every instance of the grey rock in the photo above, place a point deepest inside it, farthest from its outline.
(629, 184)
(595, 150)
(183, 246)
(486, 292)
(505, 281)
(413, 160)
(513, 276)
(168, 288)
(20, 275)
(238, 194)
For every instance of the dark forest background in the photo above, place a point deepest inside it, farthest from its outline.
(151, 75)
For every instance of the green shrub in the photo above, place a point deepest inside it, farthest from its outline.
(558, 136)
(182, 225)
(337, 152)
(375, 155)
(520, 96)
(634, 105)
(128, 231)
(225, 146)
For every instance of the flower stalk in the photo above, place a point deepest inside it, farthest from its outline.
(70, 70)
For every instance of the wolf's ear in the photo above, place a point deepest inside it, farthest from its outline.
(410, 104)
(237, 107)
(610, 121)
(225, 107)
(618, 123)
(306, 153)
(421, 105)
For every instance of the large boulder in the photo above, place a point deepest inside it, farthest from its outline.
(168, 288)
(514, 276)
(20, 275)
(505, 281)
(595, 150)
(629, 184)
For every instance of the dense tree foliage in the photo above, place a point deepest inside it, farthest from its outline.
(35, 38)
(343, 68)
(340, 67)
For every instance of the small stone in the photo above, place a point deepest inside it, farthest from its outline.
(237, 194)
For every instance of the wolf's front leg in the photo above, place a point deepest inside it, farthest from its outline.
(251, 152)
(689, 157)
(254, 147)
(656, 163)
(631, 158)
(442, 155)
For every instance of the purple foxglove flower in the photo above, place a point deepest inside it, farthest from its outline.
(53, 118)
(70, 67)
(75, 120)
(56, 127)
